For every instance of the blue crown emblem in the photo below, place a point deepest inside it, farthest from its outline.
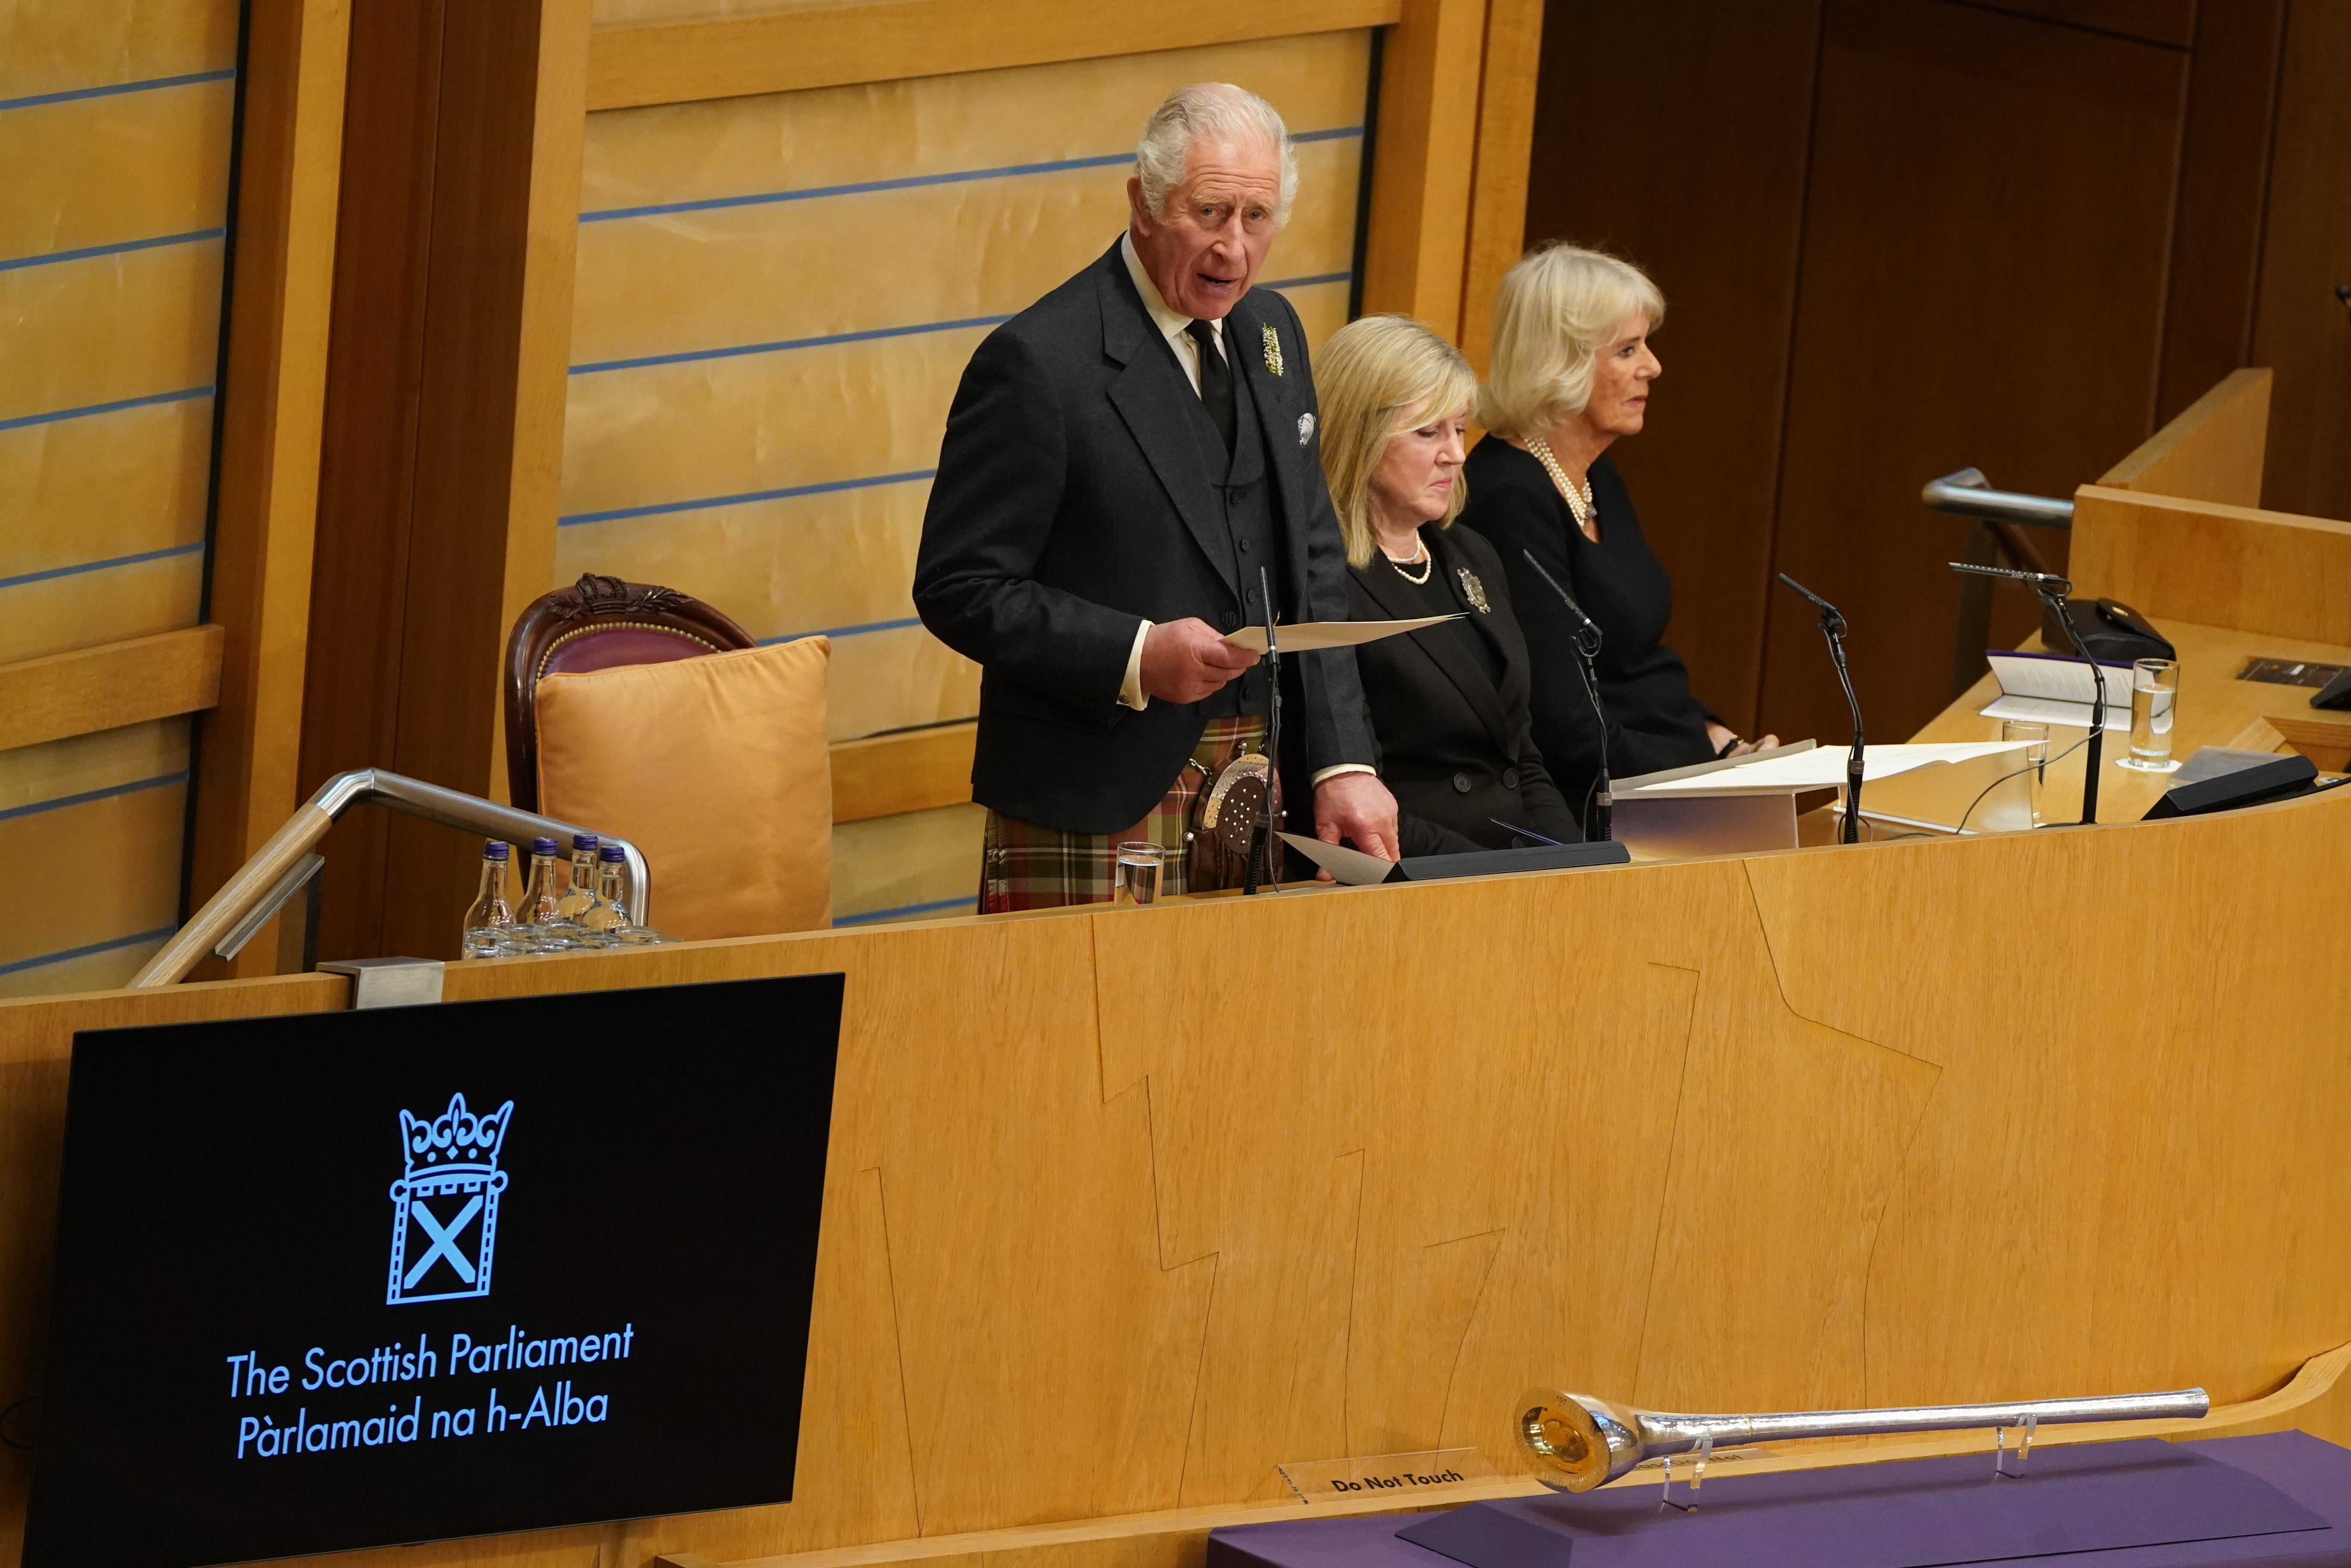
(444, 1207)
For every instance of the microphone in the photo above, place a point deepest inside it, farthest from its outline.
(1262, 842)
(1600, 806)
(1587, 630)
(1832, 627)
(2053, 590)
(2048, 581)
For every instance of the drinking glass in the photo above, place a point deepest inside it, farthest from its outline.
(1138, 872)
(2155, 701)
(2035, 735)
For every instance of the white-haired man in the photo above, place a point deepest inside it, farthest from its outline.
(1125, 462)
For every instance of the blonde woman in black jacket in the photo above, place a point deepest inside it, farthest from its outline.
(1449, 703)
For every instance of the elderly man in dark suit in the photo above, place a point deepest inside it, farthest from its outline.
(1128, 462)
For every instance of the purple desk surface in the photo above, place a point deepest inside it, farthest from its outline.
(2283, 1499)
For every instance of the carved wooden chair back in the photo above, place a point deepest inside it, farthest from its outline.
(596, 624)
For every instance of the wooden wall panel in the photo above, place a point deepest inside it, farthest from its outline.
(1675, 133)
(1986, 229)
(2216, 233)
(247, 760)
(2304, 331)
(360, 585)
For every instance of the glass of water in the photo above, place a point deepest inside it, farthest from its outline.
(2155, 701)
(1138, 872)
(2035, 736)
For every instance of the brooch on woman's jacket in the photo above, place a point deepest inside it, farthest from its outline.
(1475, 592)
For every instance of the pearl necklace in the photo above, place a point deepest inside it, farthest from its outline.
(1579, 501)
(1423, 559)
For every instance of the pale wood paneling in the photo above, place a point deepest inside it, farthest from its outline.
(891, 774)
(1424, 162)
(833, 45)
(2212, 452)
(1506, 130)
(274, 402)
(1125, 1208)
(2218, 565)
(106, 687)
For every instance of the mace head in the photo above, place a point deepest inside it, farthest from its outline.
(1578, 1442)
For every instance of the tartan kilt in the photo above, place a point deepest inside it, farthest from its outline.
(1025, 866)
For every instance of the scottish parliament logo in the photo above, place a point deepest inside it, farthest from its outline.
(444, 1207)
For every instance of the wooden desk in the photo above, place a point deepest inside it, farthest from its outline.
(2216, 709)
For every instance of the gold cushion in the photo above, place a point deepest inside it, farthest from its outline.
(716, 767)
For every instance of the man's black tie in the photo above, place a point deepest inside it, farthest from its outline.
(1216, 378)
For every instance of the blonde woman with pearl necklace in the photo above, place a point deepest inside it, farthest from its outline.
(1571, 373)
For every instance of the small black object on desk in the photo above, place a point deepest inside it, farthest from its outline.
(1494, 862)
(1832, 628)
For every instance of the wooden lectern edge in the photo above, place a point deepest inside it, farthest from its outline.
(2314, 1379)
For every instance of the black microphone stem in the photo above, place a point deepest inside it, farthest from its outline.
(1832, 628)
(1599, 805)
(2054, 597)
(1262, 839)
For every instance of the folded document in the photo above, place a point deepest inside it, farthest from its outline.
(2055, 690)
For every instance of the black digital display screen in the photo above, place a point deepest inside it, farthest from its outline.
(356, 1279)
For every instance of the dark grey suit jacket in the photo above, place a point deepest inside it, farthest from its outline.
(1072, 502)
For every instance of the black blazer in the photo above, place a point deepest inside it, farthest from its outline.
(1072, 501)
(1457, 749)
(1653, 721)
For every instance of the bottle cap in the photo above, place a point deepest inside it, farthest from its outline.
(583, 841)
(493, 849)
(542, 846)
(615, 852)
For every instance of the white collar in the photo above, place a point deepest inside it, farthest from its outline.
(1171, 324)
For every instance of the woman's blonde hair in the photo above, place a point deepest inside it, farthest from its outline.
(1367, 375)
(1559, 307)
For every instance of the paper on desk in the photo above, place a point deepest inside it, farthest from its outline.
(1309, 634)
(2045, 711)
(2055, 690)
(1351, 866)
(1821, 768)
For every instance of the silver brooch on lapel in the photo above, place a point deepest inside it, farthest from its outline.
(1305, 429)
(1273, 348)
(1475, 592)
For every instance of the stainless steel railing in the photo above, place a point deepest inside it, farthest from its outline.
(284, 867)
(1968, 493)
(2001, 517)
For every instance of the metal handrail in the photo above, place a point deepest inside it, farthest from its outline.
(1968, 493)
(210, 928)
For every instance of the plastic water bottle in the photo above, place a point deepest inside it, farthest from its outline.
(578, 900)
(540, 925)
(489, 923)
(617, 929)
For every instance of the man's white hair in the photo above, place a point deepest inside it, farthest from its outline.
(1209, 111)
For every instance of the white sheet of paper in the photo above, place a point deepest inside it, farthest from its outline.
(1351, 866)
(1823, 768)
(1309, 634)
(2048, 711)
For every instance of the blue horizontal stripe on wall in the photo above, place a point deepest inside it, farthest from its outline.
(75, 571)
(844, 630)
(53, 416)
(785, 345)
(939, 907)
(160, 781)
(148, 86)
(786, 493)
(116, 249)
(105, 947)
(906, 183)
